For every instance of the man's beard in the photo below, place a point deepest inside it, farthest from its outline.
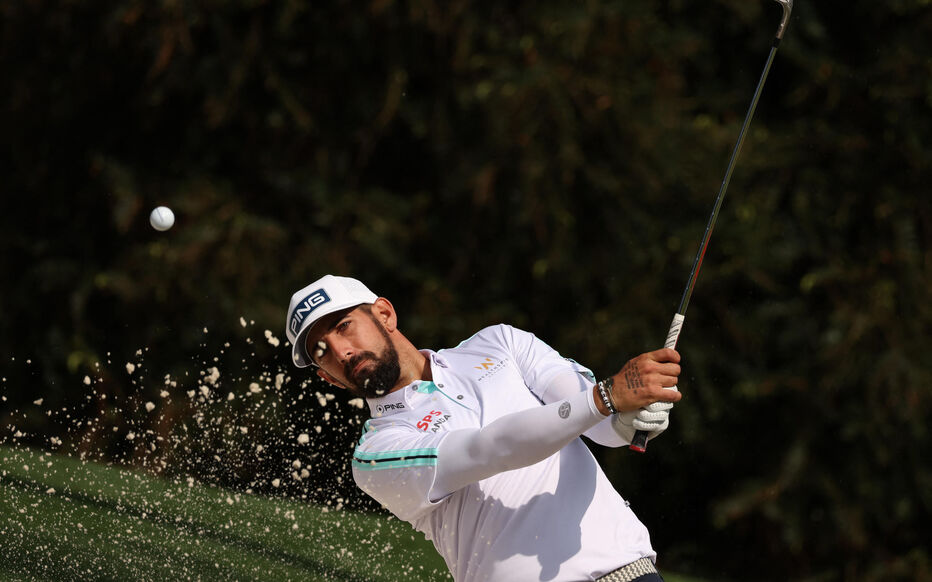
(375, 380)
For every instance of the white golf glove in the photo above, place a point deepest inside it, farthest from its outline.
(653, 419)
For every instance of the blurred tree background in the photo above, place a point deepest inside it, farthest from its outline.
(550, 165)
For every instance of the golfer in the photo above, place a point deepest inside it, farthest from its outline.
(478, 446)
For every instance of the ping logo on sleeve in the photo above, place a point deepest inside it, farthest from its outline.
(305, 307)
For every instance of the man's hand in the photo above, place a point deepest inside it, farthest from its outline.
(644, 391)
(652, 419)
(647, 379)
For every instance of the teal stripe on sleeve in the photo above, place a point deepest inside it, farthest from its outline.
(365, 461)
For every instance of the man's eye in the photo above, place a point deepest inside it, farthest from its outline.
(343, 325)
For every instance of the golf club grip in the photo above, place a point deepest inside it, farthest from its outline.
(639, 442)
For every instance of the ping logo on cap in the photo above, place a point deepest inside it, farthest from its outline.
(305, 307)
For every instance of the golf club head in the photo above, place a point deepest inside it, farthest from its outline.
(787, 9)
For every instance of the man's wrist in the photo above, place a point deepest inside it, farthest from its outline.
(600, 406)
(601, 393)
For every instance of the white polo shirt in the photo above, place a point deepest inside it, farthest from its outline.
(558, 519)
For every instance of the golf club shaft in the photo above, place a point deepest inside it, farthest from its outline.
(639, 442)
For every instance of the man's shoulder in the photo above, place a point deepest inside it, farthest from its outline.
(499, 335)
(394, 438)
(487, 352)
(381, 427)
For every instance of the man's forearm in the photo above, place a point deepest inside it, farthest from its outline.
(516, 440)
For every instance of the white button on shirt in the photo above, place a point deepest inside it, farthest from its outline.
(558, 519)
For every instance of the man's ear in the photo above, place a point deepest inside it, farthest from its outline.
(384, 313)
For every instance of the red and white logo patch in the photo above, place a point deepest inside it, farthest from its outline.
(433, 420)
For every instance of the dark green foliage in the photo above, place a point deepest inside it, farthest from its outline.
(550, 165)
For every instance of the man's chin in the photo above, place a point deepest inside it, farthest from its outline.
(374, 376)
(370, 389)
(372, 385)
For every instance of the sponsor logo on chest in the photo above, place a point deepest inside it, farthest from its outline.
(383, 408)
(433, 420)
(489, 368)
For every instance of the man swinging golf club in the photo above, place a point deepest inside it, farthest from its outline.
(478, 446)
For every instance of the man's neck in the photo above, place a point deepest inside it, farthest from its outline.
(414, 366)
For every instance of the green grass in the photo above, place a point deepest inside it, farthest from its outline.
(64, 519)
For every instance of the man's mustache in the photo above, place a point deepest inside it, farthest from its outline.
(355, 360)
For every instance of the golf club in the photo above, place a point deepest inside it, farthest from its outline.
(639, 442)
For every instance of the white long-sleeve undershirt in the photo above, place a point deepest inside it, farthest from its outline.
(513, 441)
(567, 383)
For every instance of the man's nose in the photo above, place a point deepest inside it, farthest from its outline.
(342, 350)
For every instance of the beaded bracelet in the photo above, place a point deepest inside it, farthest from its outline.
(605, 387)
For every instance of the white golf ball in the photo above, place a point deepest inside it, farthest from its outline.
(162, 218)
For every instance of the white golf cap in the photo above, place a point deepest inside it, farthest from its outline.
(322, 297)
